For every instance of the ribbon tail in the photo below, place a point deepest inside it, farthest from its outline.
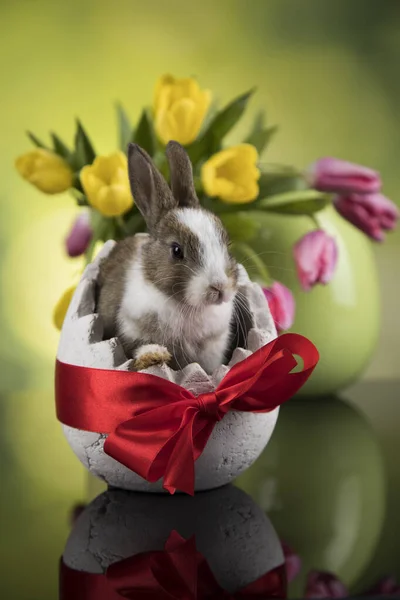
(193, 436)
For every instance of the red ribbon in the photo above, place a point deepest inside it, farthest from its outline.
(159, 429)
(178, 572)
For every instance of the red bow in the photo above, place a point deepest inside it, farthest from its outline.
(178, 572)
(159, 429)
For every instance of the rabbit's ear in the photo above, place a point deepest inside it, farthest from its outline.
(181, 171)
(150, 191)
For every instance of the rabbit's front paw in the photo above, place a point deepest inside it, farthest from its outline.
(151, 355)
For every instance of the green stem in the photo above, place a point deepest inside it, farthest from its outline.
(78, 195)
(121, 225)
(255, 259)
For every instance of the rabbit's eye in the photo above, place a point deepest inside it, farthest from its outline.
(176, 251)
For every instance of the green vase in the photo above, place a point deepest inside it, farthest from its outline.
(322, 482)
(341, 318)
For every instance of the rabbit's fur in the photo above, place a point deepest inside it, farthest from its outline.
(169, 295)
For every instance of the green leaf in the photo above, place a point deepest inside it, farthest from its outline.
(279, 180)
(144, 134)
(77, 185)
(125, 128)
(36, 140)
(229, 116)
(259, 121)
(210, 115)
(84, 152)
(301, 202)
(261, 137)
(82, 201)
(198, 149)
(59, 147)
(219, 126)
(241, 226)
(102, 228)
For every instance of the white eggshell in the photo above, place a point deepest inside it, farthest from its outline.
(232, 533)
(236, 441)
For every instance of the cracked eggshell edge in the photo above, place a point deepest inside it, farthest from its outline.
(236, 441)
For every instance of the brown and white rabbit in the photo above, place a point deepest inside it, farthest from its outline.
(169, 295)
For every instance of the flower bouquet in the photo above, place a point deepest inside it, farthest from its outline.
(231, 181)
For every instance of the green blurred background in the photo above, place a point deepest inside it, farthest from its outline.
(327, 72)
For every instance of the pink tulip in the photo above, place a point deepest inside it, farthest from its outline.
(292, 562)
(80, 235)
(281, 304)
(387, 586)
(315, 255)
(324, 585)
(334, 175)
(372, 213)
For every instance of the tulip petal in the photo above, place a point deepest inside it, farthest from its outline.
(61, 308)
(328, 262)
(371, 213)
(292, 562)
(324, 585)
(387, 586)
(163, 83)
(185, 88)
(186, 125)
(80, 235)
(45, 170)
(281, 304)
(232, 174)
(180, 106)
(335, 175)
(106, 184)
(315, 256)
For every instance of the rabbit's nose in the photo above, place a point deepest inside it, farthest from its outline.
(217, 292)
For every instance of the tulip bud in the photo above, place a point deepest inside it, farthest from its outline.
(106, 184)
(61, 308)
(324, 585)
(180, 106)
(80, 235)
(281, 304)
(45, 170)
(315, 255)
(334, 175)
(387, 586)
(292, 562)
(372, 213)
(232, 174)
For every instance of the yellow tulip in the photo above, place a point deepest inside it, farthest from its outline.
(46, 170)
(232, 174)
(179, 109)
(60, 309)
(106, 184)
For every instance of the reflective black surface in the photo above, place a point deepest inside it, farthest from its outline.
(328, 485)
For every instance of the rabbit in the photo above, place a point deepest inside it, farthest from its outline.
(169, 295)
